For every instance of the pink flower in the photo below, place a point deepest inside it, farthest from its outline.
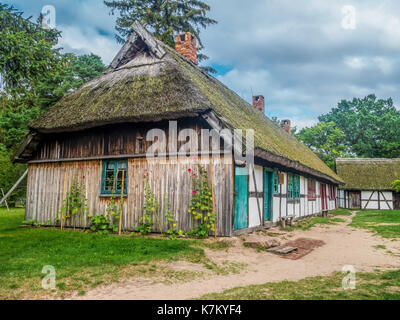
(190, 170)
(79, 166)
(148, 175)
(194, 191)
(83, 177)
(194, 175)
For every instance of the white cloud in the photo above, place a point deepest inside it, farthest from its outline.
(86, 40)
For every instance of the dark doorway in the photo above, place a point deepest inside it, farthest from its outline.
(396, 201)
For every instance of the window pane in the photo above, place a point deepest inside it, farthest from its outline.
(113, 176)
(122, 165)
(109, 183)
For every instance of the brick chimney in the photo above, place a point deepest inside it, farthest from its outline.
(186, 45)
(259, 103)
(286, 125)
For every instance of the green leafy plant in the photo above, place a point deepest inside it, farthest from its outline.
(396, 185)
(172, 231)
(201, 207)
(75, 202)
(150, 209)
(102, 224)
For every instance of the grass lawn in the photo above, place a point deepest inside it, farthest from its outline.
(308, 223)
(372, 286)
(81, 260)
(341, 212)
(383, 223)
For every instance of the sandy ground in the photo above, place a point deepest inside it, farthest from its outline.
(344, 246)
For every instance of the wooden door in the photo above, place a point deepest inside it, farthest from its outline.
(396, 202)
(268, 185)
(355, 199)
(324, 200)
(241, 198)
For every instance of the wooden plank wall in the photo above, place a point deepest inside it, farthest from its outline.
(46, 180)
(115, 140)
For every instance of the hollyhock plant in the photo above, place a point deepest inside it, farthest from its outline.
(201, 206)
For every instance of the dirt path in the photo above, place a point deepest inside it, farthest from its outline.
(344, 246)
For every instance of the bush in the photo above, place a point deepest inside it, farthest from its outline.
(396, 185)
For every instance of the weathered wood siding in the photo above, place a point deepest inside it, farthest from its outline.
(46, 181)
(121, 139)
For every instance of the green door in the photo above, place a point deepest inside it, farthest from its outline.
(241, 200)
(268, 185)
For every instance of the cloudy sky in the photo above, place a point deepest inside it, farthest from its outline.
(304, 56)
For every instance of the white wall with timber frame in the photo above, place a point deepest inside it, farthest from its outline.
(370, 199)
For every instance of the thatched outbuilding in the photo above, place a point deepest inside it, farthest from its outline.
(368, 183)
(107, 127)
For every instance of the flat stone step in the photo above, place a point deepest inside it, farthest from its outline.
(282, 250)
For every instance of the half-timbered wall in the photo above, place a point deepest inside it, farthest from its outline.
(299, 209)
(370, 199)
(281, 206)
(46, 184)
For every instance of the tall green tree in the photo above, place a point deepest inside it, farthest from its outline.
(326, 141)
(371, 126)
(35, 76)
(164, 17)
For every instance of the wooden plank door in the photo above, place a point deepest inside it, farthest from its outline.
(355, 200)
(268, 185)
(241, 198)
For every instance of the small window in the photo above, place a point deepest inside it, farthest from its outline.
(312, 195)
(113, 172)
(276, 181)
(293, 187)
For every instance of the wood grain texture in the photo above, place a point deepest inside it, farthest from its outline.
(169, 177)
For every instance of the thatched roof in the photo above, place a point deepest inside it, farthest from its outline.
(149, 81)
(368, 174)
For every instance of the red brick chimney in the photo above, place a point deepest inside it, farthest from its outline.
(186, 45)
(259, 103)
(286, 125)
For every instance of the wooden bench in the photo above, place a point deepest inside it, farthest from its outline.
(286, 221)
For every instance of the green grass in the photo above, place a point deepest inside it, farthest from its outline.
(341, 212)
(80, 259)
(383, 223)
(308, 223)
(369, 286)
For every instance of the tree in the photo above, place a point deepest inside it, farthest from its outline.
(164, 17)
(81, 69)
(326, 141)
(35, 76)
(396, 185)
(26, 54)
(371, 126)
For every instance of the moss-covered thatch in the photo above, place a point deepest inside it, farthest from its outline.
(368, 174)
(152, 89)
